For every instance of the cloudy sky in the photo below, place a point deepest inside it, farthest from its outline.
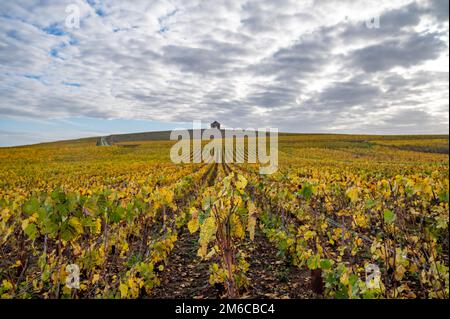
(369, 66)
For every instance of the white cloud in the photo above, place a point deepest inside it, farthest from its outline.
(308, 66)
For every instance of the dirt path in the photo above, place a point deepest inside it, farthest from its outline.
(104, 141)
(186, 276)
(271, 277)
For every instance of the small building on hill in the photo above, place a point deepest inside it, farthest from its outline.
(215, 124)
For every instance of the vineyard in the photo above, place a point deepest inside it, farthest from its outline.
(138, 226)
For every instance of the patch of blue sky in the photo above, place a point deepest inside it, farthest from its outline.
(54, 52)
(17, 35)
(5, 15)
(100, 12)
(54, 29)
(13, 34)
(73, 41)
(161, 20)
(32, 76)
(10, 17)
(116, 29)
(172, 13)
(74, 84)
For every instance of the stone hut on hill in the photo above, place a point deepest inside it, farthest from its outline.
(215, 124)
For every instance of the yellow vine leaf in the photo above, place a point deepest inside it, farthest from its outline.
(241, 182)
(353, 194)
(193, 225)
(251, 226)
(123, 288)
(238, 229)
(208, 230)
(76, 224)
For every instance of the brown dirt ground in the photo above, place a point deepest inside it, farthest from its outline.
(186, 276)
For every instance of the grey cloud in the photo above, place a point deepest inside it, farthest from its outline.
(392, 23)
(10, 111)
(409, 117)
(349, 93)
(404, 53)
(343, 95)
(274, 96)
(196, 59)
(304, 67)
(296, 62)
(439, 9)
